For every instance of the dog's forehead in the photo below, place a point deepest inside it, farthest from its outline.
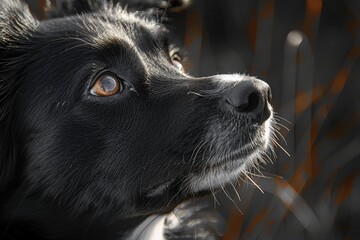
(107, 27)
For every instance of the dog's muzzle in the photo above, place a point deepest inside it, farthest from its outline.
(239, 135)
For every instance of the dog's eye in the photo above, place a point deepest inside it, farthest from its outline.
(106, 85)
(176, 60)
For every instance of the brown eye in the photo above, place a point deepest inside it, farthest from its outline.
(177, 61)
(106, 85)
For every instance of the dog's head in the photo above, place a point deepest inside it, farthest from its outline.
(97, 112)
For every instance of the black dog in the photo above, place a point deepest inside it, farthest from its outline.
(101, 128)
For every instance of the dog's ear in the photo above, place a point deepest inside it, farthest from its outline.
(16, 24)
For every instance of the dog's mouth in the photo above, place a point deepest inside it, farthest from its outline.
(233, 158)
(226, 166)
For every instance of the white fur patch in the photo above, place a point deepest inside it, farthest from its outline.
(151, 228)
(220, 176)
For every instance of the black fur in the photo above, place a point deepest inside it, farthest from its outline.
(75, 165)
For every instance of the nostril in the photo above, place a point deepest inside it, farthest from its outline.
(245, 103)
(249, 98)
(251, 104)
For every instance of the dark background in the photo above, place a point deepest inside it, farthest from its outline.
(308, 51)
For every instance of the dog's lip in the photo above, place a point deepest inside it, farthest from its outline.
(237, 156)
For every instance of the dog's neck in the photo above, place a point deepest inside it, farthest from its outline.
(43, 221)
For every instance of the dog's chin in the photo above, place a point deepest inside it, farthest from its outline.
(218, 175)
(223, 169)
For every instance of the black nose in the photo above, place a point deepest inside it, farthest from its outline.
(249, 96)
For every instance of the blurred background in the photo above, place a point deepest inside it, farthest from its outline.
(308, 52)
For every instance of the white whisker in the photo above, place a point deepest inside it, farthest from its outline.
(228, 196)
(276, 116)
(282, 149)
(282, 125)
(236, 192)
(253, 182)
(278, 132)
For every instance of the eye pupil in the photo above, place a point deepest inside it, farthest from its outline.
(108, 84)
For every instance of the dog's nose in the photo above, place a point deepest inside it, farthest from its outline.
(250, 96)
